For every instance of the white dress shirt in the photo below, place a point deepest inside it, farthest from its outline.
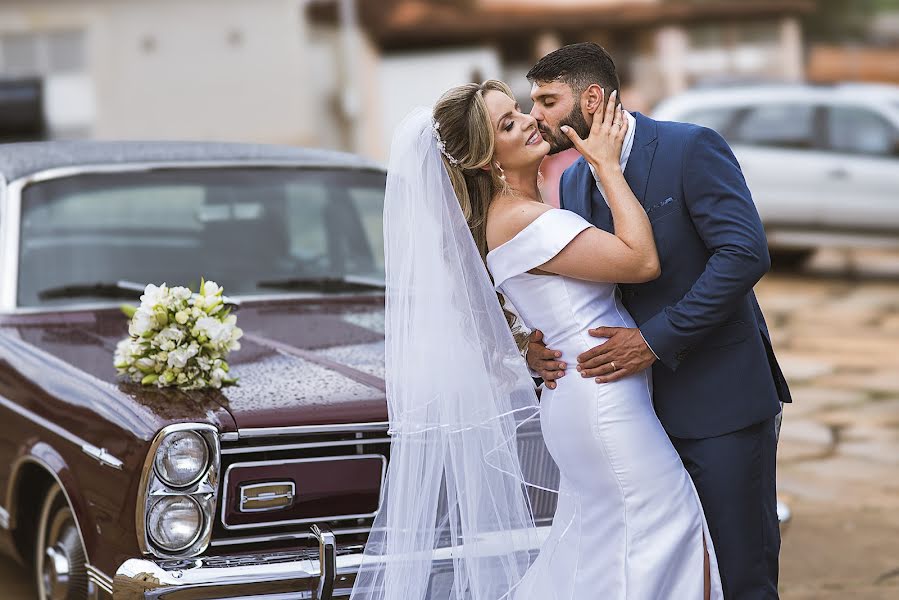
(625, 154)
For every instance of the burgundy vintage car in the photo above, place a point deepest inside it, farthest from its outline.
(266, 489)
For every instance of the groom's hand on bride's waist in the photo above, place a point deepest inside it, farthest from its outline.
(544, 361)
(624, 353)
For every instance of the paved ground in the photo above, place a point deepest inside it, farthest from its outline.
(836, 331)
(837, 338)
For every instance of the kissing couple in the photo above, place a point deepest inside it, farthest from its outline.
(663, 436)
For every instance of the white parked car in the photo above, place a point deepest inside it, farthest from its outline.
(822, 162)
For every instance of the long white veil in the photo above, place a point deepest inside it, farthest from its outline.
(468, 469)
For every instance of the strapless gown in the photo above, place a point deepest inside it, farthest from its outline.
(629, 523)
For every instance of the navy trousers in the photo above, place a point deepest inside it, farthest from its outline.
(735, 477)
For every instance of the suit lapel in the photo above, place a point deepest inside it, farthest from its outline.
(580, 200)
(638, 164)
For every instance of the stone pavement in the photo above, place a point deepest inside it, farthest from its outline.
(838, 460)
(838, 341)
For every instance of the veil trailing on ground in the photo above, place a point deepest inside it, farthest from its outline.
(468, 468)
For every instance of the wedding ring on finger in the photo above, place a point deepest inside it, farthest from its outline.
(614, 368)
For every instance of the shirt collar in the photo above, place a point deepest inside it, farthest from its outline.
(625, 148)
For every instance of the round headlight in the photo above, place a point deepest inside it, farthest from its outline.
(182, 458)
(175, 522)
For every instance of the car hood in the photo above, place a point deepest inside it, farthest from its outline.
(301, 362)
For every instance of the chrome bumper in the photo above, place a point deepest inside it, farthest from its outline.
(302, 574)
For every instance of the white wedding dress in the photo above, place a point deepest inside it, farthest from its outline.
(629, 523)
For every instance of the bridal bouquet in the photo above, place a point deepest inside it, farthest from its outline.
(178, 338)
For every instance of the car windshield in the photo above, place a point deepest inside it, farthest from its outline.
(254, 231)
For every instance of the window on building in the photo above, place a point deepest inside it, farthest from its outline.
(42, 53)
(20, 54)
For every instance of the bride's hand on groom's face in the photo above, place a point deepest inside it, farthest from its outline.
(624, 353)
(544, 361)
(602, 148)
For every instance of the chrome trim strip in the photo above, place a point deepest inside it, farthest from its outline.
(100, 454)
(138, 166)
(283, 537)
(10, 230)
(9, 233)
(4, 247)
(103, 456)
(268, 463)
(256, 432)
(4, 518)
(101, 579)
(357, 442)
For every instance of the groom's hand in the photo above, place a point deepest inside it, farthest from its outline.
(543, 360)
(623, 354)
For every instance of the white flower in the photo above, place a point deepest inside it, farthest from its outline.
(182, 317)
(211, 288)
(153, 295)
(143, 321)
(178, 358)
(170, 334)
(217, 376)
(214, 330)
(147, 364)
(181, 293)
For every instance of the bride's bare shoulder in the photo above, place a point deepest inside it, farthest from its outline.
(506, 219)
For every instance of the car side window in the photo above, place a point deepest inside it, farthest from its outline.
(787, 125)
(860, 131)
(717, 118)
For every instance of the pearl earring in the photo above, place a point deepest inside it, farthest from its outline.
(502, 174)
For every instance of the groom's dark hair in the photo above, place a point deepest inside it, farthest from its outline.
(578, 65)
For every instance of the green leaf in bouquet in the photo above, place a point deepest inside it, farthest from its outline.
(128, 309)
(149, 379)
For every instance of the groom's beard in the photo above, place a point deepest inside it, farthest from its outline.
(558, 141)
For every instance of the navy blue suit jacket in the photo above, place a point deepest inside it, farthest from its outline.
(716, 371)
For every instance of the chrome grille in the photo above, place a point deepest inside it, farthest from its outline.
(287, 445)
(331, 441)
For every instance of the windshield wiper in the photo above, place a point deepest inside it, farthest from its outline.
(347, 283)
(102, 289)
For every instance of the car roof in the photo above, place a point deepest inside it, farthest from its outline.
(865, 92)
(19, 160)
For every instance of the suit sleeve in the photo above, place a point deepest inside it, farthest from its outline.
(721, 207)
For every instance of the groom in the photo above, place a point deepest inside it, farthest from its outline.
(717, 384)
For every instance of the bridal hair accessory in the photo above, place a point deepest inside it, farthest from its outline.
(435, 125)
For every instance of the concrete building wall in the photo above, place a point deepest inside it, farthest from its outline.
(180, 69)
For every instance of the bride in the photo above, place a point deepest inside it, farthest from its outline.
(455, 521)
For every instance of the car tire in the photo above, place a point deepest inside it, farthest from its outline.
(60, 565)
(790, 259)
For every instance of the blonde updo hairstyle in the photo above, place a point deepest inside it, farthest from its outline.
(468, 135)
